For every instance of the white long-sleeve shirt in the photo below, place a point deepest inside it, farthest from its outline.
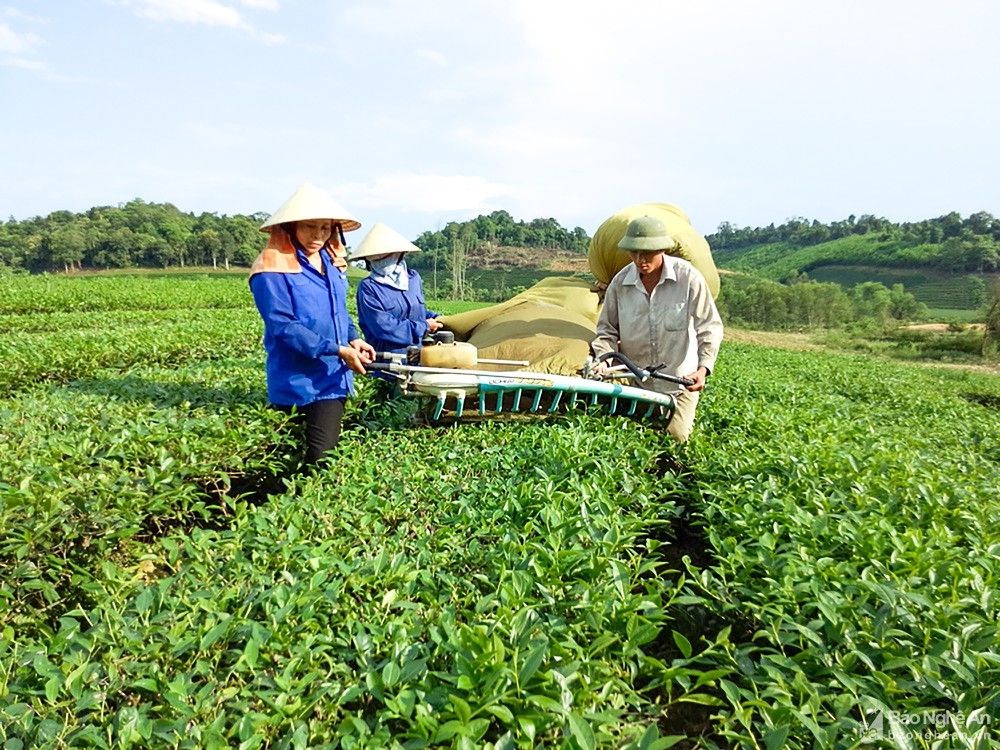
(677, 325)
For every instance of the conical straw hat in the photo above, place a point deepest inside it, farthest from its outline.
(382, 240)
(309, 202)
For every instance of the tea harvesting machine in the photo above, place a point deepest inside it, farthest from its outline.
(457, 384)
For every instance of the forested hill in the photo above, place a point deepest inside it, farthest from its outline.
(500, 229)
(150, 235)
(158, 235)
(948, 243)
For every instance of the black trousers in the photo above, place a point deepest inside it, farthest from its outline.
(320, 422)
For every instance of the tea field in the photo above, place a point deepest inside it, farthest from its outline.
(818, 568)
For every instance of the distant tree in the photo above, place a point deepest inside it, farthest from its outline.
(868, 224)
(930, 233)
(60, 218)
(918, 255)
(457, 258)
(904, 306)
(817, 305)
(871, 300)
(991, 337)
(119, 248)
(248, 240)
(982, 254)
(173, 228)
(761, 304)
(65, 247)
(209, 245)
(13, 245)
(228, 246)
(724, 235)
(161, 253)
(486, 228)
(982, 223)
(978, 293)
(814, 234)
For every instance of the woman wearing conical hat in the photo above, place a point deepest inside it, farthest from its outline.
(299, 284)
(391, 308)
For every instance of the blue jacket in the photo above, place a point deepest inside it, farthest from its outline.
(305, 324)
(392, 319)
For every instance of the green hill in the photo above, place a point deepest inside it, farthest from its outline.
(936, 289)
(948, 262)
(937, 274)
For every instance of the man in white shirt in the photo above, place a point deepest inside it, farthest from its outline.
(658, 310)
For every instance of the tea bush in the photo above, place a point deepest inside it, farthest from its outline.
(817, 568)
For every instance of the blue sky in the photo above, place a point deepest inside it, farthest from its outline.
(419, 113)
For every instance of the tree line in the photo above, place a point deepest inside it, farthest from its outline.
(133, 235)
(805, 303)
(499, 229)
(949, 242)
(151, 235)
(158, 235)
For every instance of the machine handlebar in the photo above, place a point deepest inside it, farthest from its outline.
(640, 374)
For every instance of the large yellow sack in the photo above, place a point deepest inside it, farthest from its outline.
(550, 326)
(606, 259)
(560, 291)
(551, 339)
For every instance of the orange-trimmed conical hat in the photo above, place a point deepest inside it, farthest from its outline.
(309, 202)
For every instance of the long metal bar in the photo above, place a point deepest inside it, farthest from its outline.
(469, 382)
(512, 362)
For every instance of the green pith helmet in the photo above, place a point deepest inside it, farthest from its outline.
(646, 235)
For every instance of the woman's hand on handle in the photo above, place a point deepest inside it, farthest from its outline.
(357, 355)
(367, 350)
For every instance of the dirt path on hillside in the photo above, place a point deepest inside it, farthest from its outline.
(575, 264)
(942, 327)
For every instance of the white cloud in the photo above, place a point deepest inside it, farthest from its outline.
(442, 96)
(15, 43)
(23, 63)
(525, 139)
(271, 5)
(270, 39)
(15, 13)
(429, 193)
(434, 56)
(387, 20)
(206, 12)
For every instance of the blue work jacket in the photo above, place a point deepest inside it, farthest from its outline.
(392, 319)
(305, 324)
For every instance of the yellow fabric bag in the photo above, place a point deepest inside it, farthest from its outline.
(550, 326)
(606, 259)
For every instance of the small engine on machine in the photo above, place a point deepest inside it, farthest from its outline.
(440, 349)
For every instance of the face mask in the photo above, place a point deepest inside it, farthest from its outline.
(391, 271)
(386, 266)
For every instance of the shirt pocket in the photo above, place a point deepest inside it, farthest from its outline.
(674, 316)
